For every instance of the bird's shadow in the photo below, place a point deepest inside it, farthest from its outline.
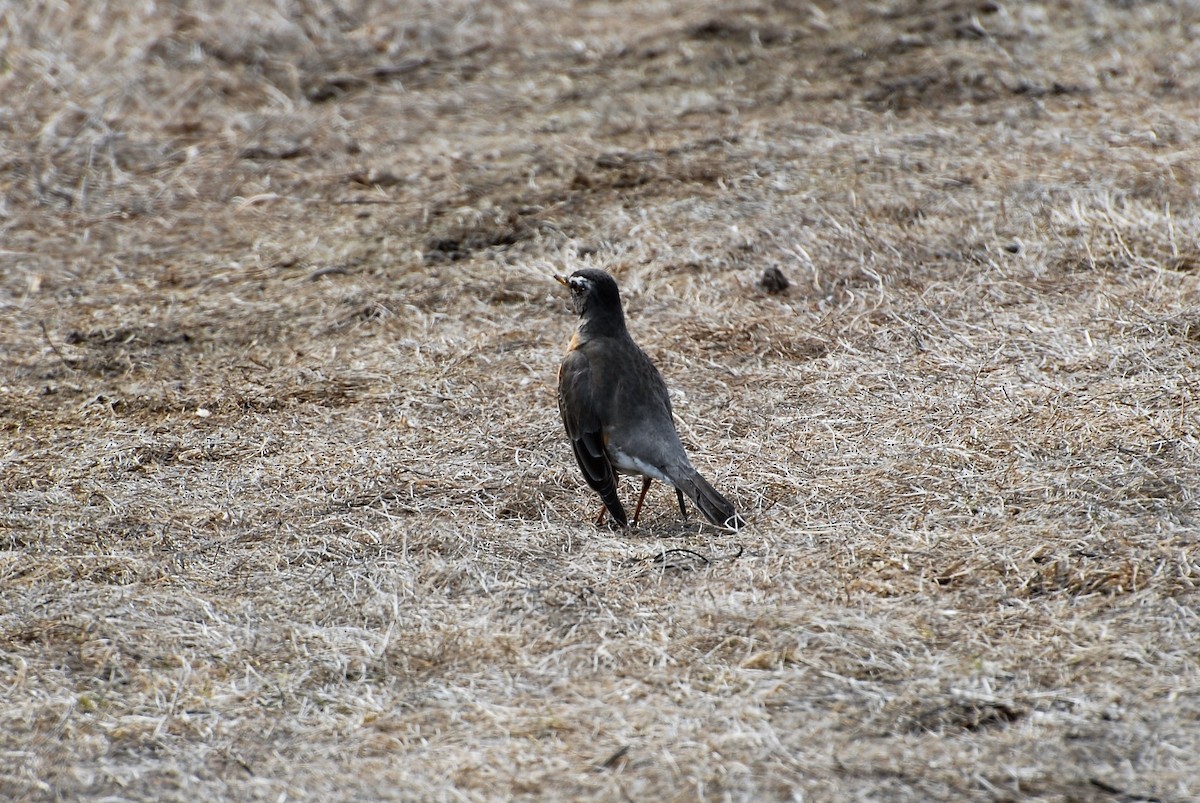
(678, 528)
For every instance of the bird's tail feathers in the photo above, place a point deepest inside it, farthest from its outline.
(716, 508)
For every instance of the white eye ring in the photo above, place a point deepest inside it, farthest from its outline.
(578, 284)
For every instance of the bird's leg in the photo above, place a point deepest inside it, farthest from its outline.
(641, 498)
(600, 515)
(682, 509)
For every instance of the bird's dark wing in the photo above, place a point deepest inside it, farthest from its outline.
(581, 415)
(646, 428)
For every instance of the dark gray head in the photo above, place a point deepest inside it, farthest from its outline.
(594, 295)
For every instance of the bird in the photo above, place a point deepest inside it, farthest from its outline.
(617, 411)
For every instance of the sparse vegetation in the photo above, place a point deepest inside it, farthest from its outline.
(287, 509)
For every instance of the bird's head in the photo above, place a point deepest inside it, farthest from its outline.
(593, 293)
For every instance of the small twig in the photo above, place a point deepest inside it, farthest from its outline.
(616, 759)
(1104, 786)
(662, 556)
(54, 348)
(740, 551)
(333, 270)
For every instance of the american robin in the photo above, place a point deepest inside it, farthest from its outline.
(616, 409)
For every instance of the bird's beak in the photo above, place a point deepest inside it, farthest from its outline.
(561, 280)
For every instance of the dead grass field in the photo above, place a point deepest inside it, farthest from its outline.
(287, 509)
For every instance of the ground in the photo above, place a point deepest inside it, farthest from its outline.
(288, 512)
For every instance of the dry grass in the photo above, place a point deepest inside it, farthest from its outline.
(287, 509)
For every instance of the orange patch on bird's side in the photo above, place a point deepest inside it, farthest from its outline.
(574, 344)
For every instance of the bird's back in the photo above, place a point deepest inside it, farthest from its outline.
(633, 386)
